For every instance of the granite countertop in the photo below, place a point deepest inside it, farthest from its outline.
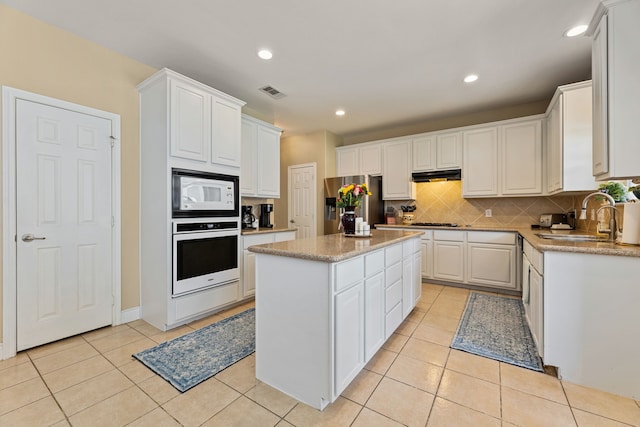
(543, 245)
(247, 231)
(334, 247)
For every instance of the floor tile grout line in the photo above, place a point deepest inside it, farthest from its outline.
(51, 394)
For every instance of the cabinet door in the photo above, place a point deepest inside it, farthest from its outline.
(449, 151)
(407, 285)
(417, 277)
(370, 160)
(521, 159)
(269, 162)
(424, 154)
(526, 288)
(347, 161)
(426, 247)
(249, 168)
(396, 182)
(448, 260)
(480, 162)
(374, 291)
(349, 335)
(225, 131)
(190, 122)
(537, 309)
(554, 147)
(248, 273)
(600, 99)
(492, 265)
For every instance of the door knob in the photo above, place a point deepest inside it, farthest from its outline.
(30, 237)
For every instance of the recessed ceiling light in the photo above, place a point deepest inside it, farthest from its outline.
(470, 78)
(265, 54)
(339, 113)
(576, 31)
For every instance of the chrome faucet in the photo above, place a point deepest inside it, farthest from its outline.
(613, 227)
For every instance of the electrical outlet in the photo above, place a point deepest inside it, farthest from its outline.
(487, 213)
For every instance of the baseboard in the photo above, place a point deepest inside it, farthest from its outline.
(129, 315)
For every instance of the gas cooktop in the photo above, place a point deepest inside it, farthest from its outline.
(435, 224)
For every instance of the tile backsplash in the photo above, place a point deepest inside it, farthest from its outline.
(443, 202)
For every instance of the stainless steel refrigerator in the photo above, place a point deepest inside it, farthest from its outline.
(371, 210)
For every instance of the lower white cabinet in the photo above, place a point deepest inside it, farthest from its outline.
(374, 314)
(350, 333)
(533, 293)
(426, 246)
(449, 255)
(491, 259)
(248, 269)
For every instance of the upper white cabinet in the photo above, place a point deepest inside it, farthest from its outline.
(396, 171)
(615, 63)
(260, 173)
(568, 135)
(437, 152)
(503, 160)
(204, 123)
(360, 159)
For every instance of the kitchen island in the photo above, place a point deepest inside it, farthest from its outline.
(325, 305)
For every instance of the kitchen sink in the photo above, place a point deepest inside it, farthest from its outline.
(573, 237)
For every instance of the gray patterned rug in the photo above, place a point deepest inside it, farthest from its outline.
(193, 358)
(495, 327)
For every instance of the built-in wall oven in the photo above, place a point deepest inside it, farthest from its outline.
(205, 254)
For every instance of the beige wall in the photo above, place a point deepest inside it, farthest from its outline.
(450, 122)
(319, 148)
(39, 58)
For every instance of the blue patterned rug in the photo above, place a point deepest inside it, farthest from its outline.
(193, 358)
(495, 327)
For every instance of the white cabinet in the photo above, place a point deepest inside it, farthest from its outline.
(349, 338)
(374, 311)
(503, 160)
(480, 160)
(360, 159)
(569, 139)
(426, 249)
(449, 255)
(533, 293)
(248, 269)
(437, 152)
(396, 171)
(615, 64)
(491, 259)
(180, 125)
(260, 173)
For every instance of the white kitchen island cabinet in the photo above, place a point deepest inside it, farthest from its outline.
(324, 307)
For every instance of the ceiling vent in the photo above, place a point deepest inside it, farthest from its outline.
(272, 92)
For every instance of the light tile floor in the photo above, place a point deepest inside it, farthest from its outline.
(414, 380)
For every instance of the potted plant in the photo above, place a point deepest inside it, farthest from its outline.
(615, 190)
(350, 197)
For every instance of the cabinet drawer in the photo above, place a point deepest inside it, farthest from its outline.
(394, 273)
(393, 254)
(427, 235)
(535, 257)
(258, 239)
(407, 248)
(349, 272)
(373, 263)
(393, 295)
(393, 320)
(451, 236)
(499, 237)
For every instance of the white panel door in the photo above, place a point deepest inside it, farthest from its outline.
(64, 216)
(302, 200)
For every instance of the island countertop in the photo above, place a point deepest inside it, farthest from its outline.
(334, 247)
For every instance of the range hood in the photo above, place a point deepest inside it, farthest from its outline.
(443, 175)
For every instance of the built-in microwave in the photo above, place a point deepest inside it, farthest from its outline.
(203, 194)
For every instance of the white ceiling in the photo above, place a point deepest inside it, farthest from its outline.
(387, 63)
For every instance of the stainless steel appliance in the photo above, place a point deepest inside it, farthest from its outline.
(371, 210)
(205, 255)
(248, 217)
(265, 215)
(203, 194)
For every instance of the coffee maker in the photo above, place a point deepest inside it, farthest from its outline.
(265, 215)
(247, 217)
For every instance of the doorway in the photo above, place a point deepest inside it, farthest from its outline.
(303, 200)
(61, 220)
